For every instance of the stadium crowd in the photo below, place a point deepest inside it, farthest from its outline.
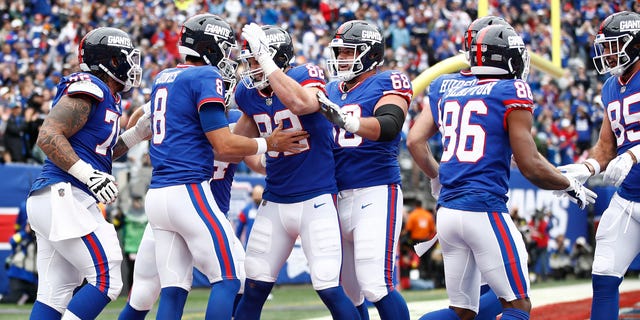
(39, 41)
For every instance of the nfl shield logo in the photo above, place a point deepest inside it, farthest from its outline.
(61, 192)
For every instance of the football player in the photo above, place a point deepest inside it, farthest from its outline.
(369, 107)
(617, 47)
(80, 139)
(476, 234)
(188, 118)
(300, 192)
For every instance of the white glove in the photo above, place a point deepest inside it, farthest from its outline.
(259, 45)
(578, 171)
(140, 131)
(617, 169)
(333, 113)
(579, 194)
(435, 187)
(101, 184)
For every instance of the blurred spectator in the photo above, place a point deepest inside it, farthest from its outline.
(559, 258)
(419, 227)
(135, 221)
(582, 258)
(539, 260)
(21, 267)
(14, 136)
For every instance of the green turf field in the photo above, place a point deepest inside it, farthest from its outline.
(291, 302)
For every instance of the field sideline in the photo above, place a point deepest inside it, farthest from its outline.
(296, 302)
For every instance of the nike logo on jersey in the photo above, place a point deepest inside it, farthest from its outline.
(366, 205)
(318, 205)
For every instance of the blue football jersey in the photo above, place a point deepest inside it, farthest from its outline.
(94, 142)
(180, 151)
(293, 177)
(441, 84)
(223, 173)
(623, 109)
(476, 158)
(361, 162)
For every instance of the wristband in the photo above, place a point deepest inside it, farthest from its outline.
(81, 171)
(267, 64)
(130, 138)
(594, 163)
(262, 145)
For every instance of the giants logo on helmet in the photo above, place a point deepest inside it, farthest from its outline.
(216, 30)
(628, 25)
(371, 35)
(515, 41)
(276, 38)
(119, 41)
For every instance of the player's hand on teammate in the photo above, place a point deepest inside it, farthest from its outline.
(579, 171)
(579, 194)
(617, 169)
(286, 141)
(333, 113)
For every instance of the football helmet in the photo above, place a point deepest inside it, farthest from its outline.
(616, 44)
(475, 26)
(499, 50)
(281, 49)
(111, 51)
(367, 43)
(212, 39)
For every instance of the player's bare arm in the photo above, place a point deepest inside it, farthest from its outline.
(370, 126)
(255, 164)
(244, 127)
(227, 143)
(69, 116)
(423, 129)
(138, 129)
(532, 165)
(300, 100)
(606, 147)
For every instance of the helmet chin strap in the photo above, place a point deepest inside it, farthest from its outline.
(126, 86)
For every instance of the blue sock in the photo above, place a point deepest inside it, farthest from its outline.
(88, 302)
(392, 306)
(221, 299)
(338, 303)
(490, 305)
(606, 297)
(442, 314)
(253, 298)
(41, 311)
(235, 302)
(514, 314)
(129, 313)
(172, 301)
(363, 311)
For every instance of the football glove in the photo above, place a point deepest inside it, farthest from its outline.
(259, 45)
(579, 194)
(435, 187)
(578, 171)
(101, 184)
(333, 113)
(617, 169)
(139, 132)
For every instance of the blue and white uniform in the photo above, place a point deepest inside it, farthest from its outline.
(299, 196)
(617, 242)
(370, 196)
(477, 235)
(188, 226)
(75, 242)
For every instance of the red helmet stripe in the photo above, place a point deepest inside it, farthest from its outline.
(479, 39)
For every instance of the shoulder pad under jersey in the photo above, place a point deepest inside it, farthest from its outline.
(86, 87)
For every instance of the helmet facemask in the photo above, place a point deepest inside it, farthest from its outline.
(610, 49)
(357, 67)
